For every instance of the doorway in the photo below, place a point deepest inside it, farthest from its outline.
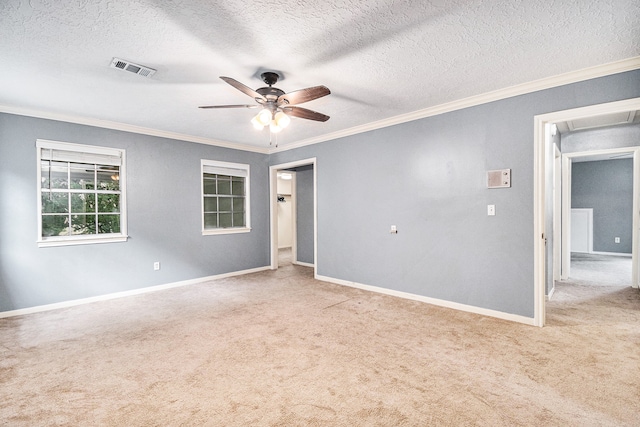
(303, 208)
(286, 216)
(542, 124)
(579, 220)
(600, 192)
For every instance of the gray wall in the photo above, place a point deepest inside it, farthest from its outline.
(164, 210)
(428, 178)
(607, 187)
(304, 219)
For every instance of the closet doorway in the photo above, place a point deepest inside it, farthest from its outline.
(293, 213)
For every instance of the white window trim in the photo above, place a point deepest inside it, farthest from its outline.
(82, 239)
(243, 170)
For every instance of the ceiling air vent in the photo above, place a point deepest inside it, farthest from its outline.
(138, 69)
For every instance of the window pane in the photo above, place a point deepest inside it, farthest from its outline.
(82, 176)
(210, 204)
(238, 186)
(80, 195)
(83, 224)
(238, 219)
(55, 202)
(225, 220)
(83, 202)
(225, 197)
(108, 178)
(54, 225)
(224, 204)
(211, 220)
(44, 174)
(108, 202)
(57, 173)
(224, 184)
(209, 186)
(108, 223)
(238, 204)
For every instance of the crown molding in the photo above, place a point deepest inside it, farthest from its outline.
(106, 124)
(616, 67)
(496, 95)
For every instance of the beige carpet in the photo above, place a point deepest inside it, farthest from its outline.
(280, 349)
(599, 269)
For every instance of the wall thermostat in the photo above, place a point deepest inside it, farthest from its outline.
(500, 178)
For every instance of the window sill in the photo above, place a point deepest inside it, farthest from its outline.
(71, 241)
(215, 231)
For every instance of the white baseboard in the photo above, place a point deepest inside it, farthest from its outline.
(433, 301)
(72, 303)
(304, 264)
(551, 293)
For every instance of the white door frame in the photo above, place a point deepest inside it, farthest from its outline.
(539, 136)
(557, 217)
(273, 211)
(565, 266)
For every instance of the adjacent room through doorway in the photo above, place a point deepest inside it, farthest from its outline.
(601, 219)
(593, 229)
(293, 213)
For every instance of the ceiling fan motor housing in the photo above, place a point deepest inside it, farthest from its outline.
(271, 93)
(270, 77)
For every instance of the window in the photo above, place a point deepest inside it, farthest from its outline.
(81, 197)
(225, 197)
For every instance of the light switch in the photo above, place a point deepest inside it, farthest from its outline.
(491, 210)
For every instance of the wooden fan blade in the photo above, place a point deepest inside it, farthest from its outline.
(303, 113)
(229, 106)
(244, 89)
(304, 95)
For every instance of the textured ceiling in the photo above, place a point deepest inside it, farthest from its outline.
(380, 58)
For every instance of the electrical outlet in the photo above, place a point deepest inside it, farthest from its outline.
(156, 265)
(617, 240)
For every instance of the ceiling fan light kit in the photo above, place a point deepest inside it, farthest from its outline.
(282, 119)
(277, 106)
(262, 119)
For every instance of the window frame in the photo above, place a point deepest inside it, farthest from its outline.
(82, 239)
(244, 171)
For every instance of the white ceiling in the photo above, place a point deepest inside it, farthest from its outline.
(380, 58)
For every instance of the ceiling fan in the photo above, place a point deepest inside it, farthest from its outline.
(277, 105)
